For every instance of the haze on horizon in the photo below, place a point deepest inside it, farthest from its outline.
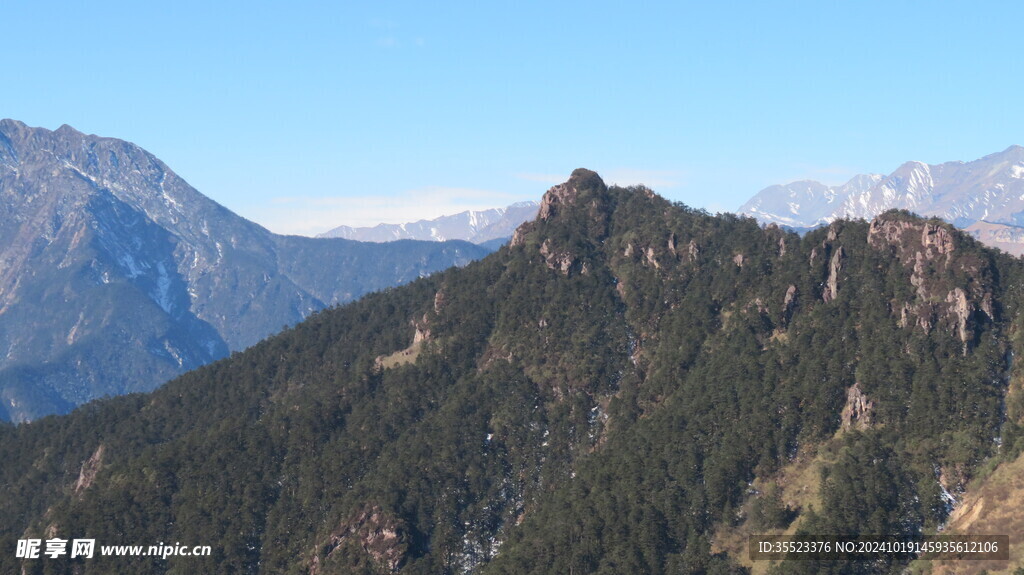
(313, 115)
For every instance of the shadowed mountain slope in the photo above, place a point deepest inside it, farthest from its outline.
(116, 275)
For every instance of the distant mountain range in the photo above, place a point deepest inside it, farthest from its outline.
(985, 197)
(116, 275)
(478, 227)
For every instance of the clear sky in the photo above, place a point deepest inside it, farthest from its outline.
(306, 115)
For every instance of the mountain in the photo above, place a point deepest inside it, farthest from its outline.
(990, 189)
(116, 275)
(630, 386)
(478, 227)
(805, 204)
(1008, 238)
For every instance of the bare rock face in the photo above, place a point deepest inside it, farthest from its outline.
(858, 411)
(519, 235)
(961, 310)
(835, 266)
(381, 536)
(422, 332)
(899, 235)
(930, 252)
(567, 193)
(90, 467)
(555, 259)
(937, 237)
(439, 301)
(652, 258)
(788, 305)
(558, 197)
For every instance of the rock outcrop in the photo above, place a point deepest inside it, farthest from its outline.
(566, 193)
(559, 197)
(858, 410)
(835, 266)
(556, 259)
(380, 536)
(90, 467)
(789, 305)
(930, 252)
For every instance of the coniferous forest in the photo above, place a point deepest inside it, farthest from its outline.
(626, 387)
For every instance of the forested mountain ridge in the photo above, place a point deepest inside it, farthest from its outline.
(116, 275)
(597, 397)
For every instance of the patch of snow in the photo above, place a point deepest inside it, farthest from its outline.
(74, 330)
(178, 357)
(162, 295)
(133, 268)
(946, 496)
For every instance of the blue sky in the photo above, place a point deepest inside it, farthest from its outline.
(307, 115)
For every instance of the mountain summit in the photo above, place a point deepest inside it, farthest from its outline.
(990, 189)
(116, 275)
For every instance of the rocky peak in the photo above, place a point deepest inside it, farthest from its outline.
(1011, 153)
(565, 194)
(930, 250)
(858, 411)
(909, 236)
(558, 197)
(835, 267)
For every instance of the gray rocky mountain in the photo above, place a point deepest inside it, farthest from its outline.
(473, 226)
(990, 189)
(116, 275)
(806, 203)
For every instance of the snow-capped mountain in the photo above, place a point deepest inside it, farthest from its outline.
(990, 189)
(116, 275)
(472, 226)
(805, 203)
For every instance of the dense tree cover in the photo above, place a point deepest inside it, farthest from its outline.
(596, 397)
